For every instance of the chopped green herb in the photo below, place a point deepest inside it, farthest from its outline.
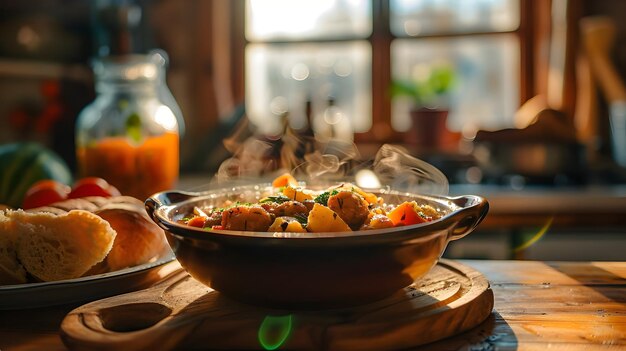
(302, 218)
(279, 199)
(322, 198)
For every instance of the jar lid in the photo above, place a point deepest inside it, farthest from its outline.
(127, 68)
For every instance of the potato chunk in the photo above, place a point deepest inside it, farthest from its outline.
(323, 219)
(286, 224)
(297, 194)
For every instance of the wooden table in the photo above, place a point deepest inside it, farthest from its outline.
(538, 306)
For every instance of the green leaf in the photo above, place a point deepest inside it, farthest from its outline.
(322, 198)
(279, 199)
(133, 127)
(441, 79)
(403, 88)
(301, 218)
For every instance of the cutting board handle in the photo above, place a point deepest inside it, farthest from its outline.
(182, 313)
(141, 320)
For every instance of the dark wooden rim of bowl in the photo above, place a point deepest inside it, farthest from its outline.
(465, 213)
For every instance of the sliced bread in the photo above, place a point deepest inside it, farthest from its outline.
(11, 271)
(56, 247)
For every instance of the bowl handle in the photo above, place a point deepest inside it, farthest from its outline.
(474, 209)
(165, 198)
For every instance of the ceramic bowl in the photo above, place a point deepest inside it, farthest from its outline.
(310, 270)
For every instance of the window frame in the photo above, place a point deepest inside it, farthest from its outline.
(531, 34)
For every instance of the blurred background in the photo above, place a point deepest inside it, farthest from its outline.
(520, 101)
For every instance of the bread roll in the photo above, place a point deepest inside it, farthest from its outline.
(11, 271)
(139, 240)
(70, 238)
(56, 247)
(89, 203)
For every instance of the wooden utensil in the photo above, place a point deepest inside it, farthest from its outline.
(598, 36)
(182, 313)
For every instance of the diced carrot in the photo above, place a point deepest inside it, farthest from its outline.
(197, 222)
(284, 180)
(405, 214)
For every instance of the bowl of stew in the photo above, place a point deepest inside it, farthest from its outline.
(298, 247)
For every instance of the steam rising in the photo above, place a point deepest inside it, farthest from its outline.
(250, 162)
(258, 160)
(403, 172)
(332, 165)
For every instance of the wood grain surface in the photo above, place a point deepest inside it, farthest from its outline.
(183, 313)
(538, 306)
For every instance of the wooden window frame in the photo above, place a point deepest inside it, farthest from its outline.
(535, 19)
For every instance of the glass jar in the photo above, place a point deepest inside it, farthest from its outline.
(129, 135)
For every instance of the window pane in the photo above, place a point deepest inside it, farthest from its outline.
(428, 17)
(283, 77)
(485, 91)
(268, 20)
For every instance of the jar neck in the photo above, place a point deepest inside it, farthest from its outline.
(127, 87)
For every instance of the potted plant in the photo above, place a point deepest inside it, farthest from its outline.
(428, 89)
(428, 94)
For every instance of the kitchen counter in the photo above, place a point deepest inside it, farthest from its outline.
(585, 206)
(538, 306)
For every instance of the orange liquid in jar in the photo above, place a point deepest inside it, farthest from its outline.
(138, 171)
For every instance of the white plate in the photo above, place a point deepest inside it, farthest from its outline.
(82, 289)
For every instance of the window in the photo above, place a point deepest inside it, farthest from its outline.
(443, 17)
(286, 79)
(304, 57)
(272, 20)
(486, 68)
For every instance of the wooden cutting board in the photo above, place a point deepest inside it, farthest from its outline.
(181, 313)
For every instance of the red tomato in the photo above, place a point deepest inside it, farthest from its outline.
(93, 186)
(45, 192)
